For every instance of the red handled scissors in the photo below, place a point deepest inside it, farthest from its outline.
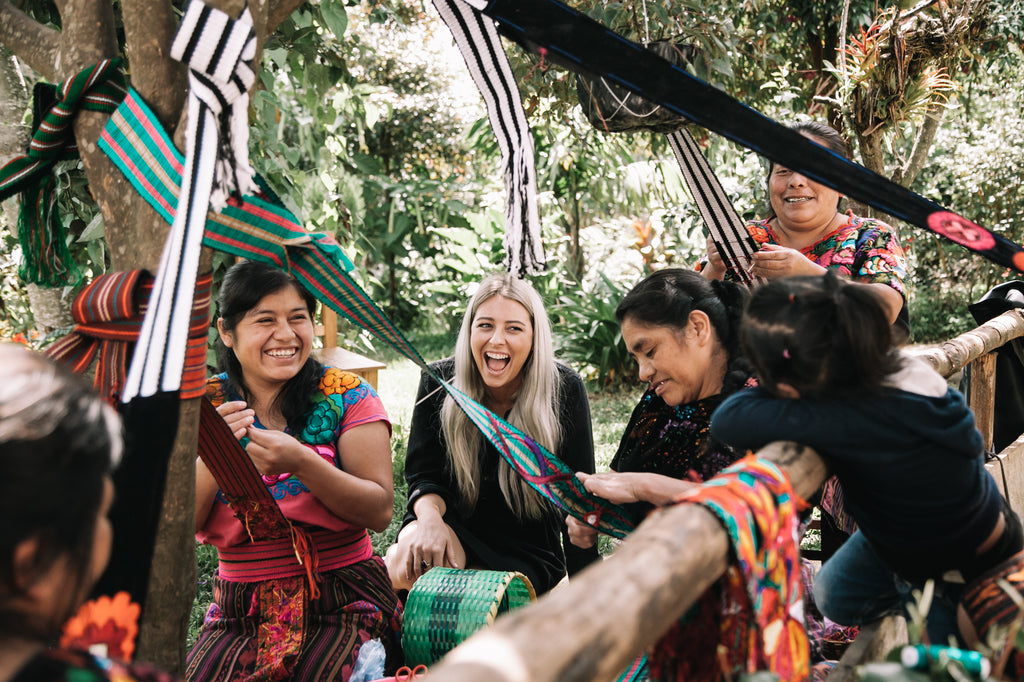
(405, 674)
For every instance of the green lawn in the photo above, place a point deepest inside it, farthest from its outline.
(397, 388)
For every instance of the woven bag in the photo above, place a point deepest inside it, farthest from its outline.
(612, 108)
(447, 605)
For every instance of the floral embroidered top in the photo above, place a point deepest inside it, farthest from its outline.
(671, 441)
(343, 401)
(864, 249)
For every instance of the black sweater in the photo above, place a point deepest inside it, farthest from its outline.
(911, 465)
(492, 535)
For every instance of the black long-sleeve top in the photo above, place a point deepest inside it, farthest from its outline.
(492, 535)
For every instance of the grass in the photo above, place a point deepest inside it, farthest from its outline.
(397, 386)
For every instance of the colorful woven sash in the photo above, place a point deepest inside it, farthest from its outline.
(582, 44)
(108, 317)
(250, 500)
(478, 41)
(258, 229)
(47, 260)
(756, 504)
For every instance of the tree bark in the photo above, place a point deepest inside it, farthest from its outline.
(135, 236)
(922, 144)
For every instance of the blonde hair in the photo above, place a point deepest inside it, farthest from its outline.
(535, 411)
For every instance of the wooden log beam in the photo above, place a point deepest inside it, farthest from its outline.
(982, 398)
(591, 628)
(953, 355)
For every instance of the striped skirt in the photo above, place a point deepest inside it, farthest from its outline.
(273, 630)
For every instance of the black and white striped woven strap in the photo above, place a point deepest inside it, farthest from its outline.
(724, 225)
(217, 50)
(478, 41)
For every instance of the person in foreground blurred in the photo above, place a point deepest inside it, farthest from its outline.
(58, 444)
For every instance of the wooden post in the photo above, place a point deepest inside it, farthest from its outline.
(983, 396)
(330, 319)
(591, 628)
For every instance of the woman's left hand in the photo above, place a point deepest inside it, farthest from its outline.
(275, 452)
(773, 261)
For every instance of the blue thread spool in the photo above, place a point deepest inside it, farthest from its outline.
(918, 656)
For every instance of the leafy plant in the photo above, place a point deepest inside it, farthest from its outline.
(589, 333)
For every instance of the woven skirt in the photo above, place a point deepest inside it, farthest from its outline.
(276, 630)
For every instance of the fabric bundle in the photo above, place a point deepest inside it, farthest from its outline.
(47, 260)
(216, 49)
(752, 618)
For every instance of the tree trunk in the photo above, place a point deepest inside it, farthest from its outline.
(135, 236)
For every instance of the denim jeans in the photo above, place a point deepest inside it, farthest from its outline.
(855, 587)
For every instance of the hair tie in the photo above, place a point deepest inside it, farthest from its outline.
(785, 353)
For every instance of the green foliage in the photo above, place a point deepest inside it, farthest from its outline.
(206, 563)
(589, 335)
(15, 313)
(975, 170)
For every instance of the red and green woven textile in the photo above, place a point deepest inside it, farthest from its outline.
(260, 229)
(47, 260)
(108, 317)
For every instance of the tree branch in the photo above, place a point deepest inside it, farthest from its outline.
(922, 145)
(33, 43)
(87, 35)
(278, 11)
(149, 29)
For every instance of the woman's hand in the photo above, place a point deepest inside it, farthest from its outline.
(431, 545)
(639, 486)
(580, 534)
(275, 452)
(238, 417)
(614, 486)
(715, 267)
(773, 261)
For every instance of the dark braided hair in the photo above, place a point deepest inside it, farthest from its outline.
(245, 284)
(667, 297)
(819, 334)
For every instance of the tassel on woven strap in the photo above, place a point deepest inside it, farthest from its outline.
(478, 41)
(47, 260)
